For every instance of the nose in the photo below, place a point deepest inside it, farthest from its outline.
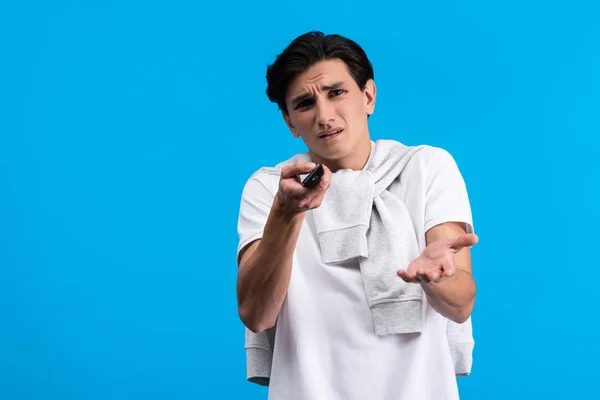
(325, 112)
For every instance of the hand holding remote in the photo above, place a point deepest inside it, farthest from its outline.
(295, 196)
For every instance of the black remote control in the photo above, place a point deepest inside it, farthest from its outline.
(314, 176)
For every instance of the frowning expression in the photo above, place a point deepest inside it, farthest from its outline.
(328, 110)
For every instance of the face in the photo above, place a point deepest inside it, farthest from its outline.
(327, 109)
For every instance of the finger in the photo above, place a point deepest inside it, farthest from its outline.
(291, 171)
(326, 173)
(449, 268)
(406, 276)
(422, 276)
(435, 276)
(312, 197)
(325, 179)
(295, 189)
(466, 240)
(324, 182)
(309, 203)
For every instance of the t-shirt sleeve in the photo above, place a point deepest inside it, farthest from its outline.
(446, 197)
(255, 206)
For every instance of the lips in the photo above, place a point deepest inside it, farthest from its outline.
(330, 133)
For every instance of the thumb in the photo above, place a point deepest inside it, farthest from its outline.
(290, 171)
(466, 240)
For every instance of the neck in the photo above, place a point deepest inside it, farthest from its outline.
(356, 160)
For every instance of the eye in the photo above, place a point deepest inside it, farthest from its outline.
(304, 104)
(337, 92)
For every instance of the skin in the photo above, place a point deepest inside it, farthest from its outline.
(322, 98)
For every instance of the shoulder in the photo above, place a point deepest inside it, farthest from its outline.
(264, 181)
(423, 157)
(434, 166)
(428, 155)
(267, 177)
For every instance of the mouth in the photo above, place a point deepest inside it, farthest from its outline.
(330, 134)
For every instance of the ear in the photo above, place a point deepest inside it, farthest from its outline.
(370, 93)
(288, 122)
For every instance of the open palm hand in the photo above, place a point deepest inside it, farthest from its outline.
(436, 263)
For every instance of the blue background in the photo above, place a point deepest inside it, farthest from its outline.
(117, 258)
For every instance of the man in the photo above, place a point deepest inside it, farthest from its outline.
(362, 278)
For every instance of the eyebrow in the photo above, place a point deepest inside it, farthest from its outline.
(305, 96)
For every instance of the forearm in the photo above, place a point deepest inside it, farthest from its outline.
(453, 297)
(263, 278)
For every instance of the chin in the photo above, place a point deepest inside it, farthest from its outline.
(333, 154)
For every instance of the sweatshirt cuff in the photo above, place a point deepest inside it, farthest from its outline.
(258, 364)
(344, 244)
(398, 317)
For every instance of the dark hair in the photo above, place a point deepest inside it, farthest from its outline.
(308, 49)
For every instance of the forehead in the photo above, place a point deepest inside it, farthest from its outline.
(322, 73)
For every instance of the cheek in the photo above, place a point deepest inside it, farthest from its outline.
(354, 110)
(357, 102)
(302, 122)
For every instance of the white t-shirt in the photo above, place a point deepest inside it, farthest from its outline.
(325, 345)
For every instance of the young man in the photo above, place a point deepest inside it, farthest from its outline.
(360, 287)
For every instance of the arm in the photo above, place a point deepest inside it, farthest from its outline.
(265, 270)
(444, 267)
(453, 297)
(444, 271)
(265, 265)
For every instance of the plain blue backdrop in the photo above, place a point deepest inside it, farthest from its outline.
(117, 255)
